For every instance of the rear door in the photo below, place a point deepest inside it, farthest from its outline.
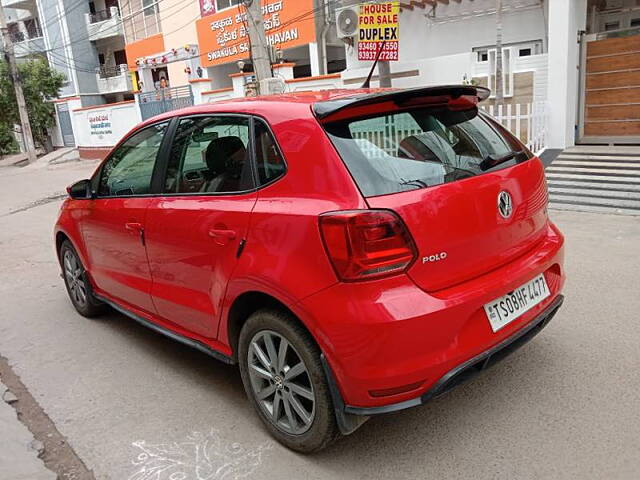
(195, 230)
(114, 224)
(444, 168)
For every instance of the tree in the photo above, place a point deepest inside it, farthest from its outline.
(499, 85)
(7, 140)
(41, 84)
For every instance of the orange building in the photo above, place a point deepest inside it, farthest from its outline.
(179, 42)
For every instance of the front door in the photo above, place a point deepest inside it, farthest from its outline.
(611, 100)
(66, 128)
(195, 231)
(114, 225)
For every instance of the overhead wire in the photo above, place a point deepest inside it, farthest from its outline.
(63, 61)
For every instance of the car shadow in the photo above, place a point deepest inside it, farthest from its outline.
(495, 400)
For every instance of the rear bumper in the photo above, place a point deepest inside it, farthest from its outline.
(389, 343)
(466, 370)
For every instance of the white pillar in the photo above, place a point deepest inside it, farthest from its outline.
(566, 19)
(314, 59)
(146, 75)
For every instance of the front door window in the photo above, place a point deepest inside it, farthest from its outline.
(129, 170)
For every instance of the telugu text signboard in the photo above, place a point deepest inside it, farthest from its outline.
(223, 36)
(100, 123)
(378, 26)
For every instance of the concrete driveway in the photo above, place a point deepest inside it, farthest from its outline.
(135, 405)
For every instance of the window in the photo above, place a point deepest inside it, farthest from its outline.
(611, 26)
(32, 26)
(210, 155)
(421, 148)
(483, 56)
(129, 170)
(635, 22)
(268, 158)
(150, 7)
(227, 3)
(524, 52)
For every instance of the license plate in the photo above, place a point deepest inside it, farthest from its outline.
(507, 308)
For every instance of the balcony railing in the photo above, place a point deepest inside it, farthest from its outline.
(17, 37)
(114, 79)
(104, 24)
(102, 15)
(112, 70)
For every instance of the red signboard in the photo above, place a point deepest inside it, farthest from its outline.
(207, 7)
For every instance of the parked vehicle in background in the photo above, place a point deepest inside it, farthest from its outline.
(355, 252)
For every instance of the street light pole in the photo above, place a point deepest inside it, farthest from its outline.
(27, 135)
(258, 41)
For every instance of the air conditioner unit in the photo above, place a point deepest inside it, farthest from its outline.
(347, 21)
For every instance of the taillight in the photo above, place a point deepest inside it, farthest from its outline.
(365, 244)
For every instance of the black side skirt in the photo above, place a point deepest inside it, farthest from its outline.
(168, 333)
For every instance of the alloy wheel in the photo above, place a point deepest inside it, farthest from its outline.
(73, 273)
(281, 382)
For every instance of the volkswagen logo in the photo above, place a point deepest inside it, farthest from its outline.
(505, 204)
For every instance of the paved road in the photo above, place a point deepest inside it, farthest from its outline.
(130, 401)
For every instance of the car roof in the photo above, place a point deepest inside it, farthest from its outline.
(298, 104)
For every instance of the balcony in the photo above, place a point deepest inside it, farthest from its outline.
(27, 4)
(104, 24)
(26, 44)
(114, 79)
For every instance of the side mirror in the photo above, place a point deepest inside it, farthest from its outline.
(80, 190)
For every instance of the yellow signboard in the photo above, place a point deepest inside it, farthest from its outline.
(378, 27)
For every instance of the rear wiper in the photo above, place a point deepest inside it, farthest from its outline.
(492, 160)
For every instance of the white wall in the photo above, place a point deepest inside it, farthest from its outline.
(449, 69)
(120, 119)
(461, 27)
(464, 35)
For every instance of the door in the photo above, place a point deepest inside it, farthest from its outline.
(114, 226)
(66, 129)
(611, 100)
(195, 231)
(120, 57)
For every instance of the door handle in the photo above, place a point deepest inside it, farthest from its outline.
(222, 236)
(134, 227)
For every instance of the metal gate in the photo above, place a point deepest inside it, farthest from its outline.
(164, 100)
(610, 87)
(64, 121)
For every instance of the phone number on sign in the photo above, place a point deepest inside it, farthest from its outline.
(375, 46)
(374, 55)
(369, 51)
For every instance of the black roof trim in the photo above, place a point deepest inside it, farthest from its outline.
(329, 107)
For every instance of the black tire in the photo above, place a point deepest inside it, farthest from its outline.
(78, 284)
(322, 429)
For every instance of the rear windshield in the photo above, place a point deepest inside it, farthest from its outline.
(419, 148)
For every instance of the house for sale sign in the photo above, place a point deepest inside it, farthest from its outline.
(378, 26)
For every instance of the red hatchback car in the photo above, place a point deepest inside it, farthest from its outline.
(355, 252)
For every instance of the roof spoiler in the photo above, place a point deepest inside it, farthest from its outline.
(399, 97)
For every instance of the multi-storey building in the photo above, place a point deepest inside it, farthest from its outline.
(84, 40)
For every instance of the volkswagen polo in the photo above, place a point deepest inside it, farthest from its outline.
(355, 252)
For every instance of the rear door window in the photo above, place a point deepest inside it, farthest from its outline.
(269, 161)
(422, 147)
